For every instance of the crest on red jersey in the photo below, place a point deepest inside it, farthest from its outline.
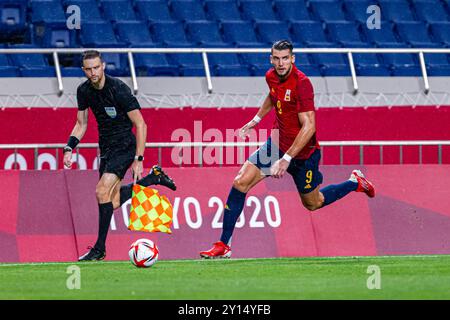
(287, 96)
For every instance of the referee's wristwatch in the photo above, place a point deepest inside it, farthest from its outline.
(139, 158)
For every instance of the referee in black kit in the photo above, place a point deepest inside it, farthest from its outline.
(116, 111)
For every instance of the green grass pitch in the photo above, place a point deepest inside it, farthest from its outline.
(400, 277)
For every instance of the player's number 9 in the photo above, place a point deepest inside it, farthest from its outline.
(279, 107)
(309, 176)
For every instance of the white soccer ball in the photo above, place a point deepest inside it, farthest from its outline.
(143, 253)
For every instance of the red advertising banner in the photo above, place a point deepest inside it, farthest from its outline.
(53, 215)
(48, 125)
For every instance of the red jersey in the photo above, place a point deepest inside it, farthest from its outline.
(293, 95)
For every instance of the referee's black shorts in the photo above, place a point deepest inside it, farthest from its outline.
(117, 154)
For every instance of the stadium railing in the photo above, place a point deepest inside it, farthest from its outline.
(204, 51)
(239, 145)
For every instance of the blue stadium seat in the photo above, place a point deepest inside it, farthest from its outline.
(171, 34)
(98, 34)
(188, 64)
(346, 34)
(292, 10)
(118, 10)
(48, 13)
(258, 63)
(370, 64)
(428, 11)
(396, 11)
(154, 64)
(6, 68)
(187, 10)
(204, 33)
(271, 31)
(401, 64)
(134, 33)
(222, 10)
(438, 64)
(12, 19)
(383, 37)
(151, 10)
(116, 64)
(415, 34)
(240, 33)
(227, 64)
(304, 63)
(311, 34)
(332, 64)
(327, 11)
(257, 10)
(441, 32)
(356, 10)
(90, 12)
(32, 64)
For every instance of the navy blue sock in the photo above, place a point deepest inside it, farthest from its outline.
(233, 209)
(335, 192)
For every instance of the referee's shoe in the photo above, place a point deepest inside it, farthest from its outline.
(157, 176)
(94, 254)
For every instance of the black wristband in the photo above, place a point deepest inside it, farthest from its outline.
(73, 142)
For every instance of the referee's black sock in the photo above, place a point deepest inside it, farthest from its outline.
(105, 215)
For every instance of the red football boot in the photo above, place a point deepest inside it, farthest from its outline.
(219, 250)
(364, 185)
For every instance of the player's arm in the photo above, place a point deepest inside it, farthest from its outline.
(262, 112)
(308, 128)
(141, 136)
(76, 135)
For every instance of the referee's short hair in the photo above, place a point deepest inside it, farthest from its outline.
(283, 45)
(91, 54)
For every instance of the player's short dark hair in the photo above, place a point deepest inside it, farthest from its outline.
(91, 54)
(283, 45)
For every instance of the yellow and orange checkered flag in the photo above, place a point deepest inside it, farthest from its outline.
(150, 212)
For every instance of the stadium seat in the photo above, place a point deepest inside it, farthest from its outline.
(327, 11)
(346, 34)
(258, 63)
(118, 10)
(415, 34)
(151, 10)
(48, 13)
(187, 10)
(99, 34)
(270, 31)
(12, 20)
(332, 64)
(204, 33)
(222, 10)
(304, 64)
(311, 34)
(171, 33)
(6, 68)
(292, 10)
(32, 64)
(396, 11)
(154, 64)
(428, 11)
(401, 64)
(438, 64)
(88, 8)
(188, 64)
(370, 64)
(240, 33)
(257, 10)
(383, 37)
(227, 64)
(441, 32)
(356, 10)
(134, 33)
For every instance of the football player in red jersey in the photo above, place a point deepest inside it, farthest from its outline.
(292, 147)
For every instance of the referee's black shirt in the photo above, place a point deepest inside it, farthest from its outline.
(110, 106)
